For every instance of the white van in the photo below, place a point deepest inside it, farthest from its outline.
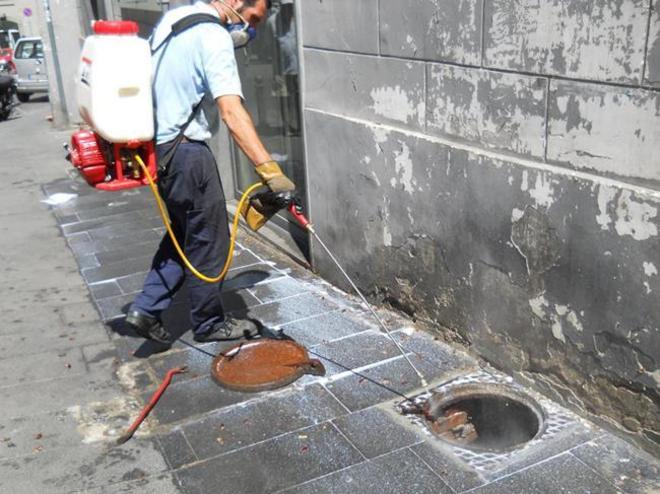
(31, 75)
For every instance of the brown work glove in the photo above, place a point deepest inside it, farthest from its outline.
(272, 176)
(256, 214)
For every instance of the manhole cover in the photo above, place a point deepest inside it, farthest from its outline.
(264, 364)
(491, 418)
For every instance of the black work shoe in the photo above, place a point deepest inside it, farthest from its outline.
(148, 327)
(229, 329)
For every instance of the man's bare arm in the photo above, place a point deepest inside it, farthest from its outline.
(240, 125)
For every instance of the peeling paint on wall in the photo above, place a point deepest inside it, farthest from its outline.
(393, 103)
(629, 216)
(442, 30)
(504, 111)
(559, 316)
(605, 196)
(650, 269)
(404, 168)
(604, 128)
(543, 191)
(635, 218)
(536, 240)
(599, 39)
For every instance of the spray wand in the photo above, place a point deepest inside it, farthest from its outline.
(296, 211)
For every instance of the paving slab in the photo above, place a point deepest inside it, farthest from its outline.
(393, 473)
(23, 436)
(356, 351)
(56, 394)
(279, 313)
(140, 249)
(107, 221)
(117, 269)
(153, 484)
(278, 289)
(564, 473)
(250, 275)
(197, 360)
(176, 449)
(628, 468)
(390, 380)
(363, 427)
(274, 464)
(113, 307)
(65, 470)
(105, 289)
(240, 426)
(82, 312)
(101, 357)
(448, 467)
(132, 283)
(43, 317)
(190, 398)
(44, 366)
(327, 327)
(83, 243)
(43, 338)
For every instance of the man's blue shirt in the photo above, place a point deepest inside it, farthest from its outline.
(197, 63)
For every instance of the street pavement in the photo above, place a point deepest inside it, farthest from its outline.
(73, 375)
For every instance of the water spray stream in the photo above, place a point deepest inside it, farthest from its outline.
(373, 312)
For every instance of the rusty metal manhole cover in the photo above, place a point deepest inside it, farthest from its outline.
(264, 364)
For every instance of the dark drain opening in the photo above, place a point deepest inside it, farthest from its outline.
(492, 421)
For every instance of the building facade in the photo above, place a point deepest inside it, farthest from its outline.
(488, 167)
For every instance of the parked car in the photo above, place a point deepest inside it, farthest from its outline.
(7, 66)
(8, 39)
(31, 75)
(7, 91)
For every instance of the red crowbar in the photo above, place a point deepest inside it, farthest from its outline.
(152, 403)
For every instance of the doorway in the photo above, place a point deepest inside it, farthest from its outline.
(270, 75)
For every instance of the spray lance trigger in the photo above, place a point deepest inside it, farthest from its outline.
(295, 208)
(264, 205)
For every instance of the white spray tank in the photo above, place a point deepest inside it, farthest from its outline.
(114, 83)
(114, 97)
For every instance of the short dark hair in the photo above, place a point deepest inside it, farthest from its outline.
(250, 3)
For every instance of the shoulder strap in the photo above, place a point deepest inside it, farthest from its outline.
(164, 161)
(186, 23)
(177, 28)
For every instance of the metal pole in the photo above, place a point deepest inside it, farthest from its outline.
(56, 60)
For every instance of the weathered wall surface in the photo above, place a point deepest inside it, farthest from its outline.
(491, 166)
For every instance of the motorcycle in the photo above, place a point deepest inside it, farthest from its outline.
(7, 92)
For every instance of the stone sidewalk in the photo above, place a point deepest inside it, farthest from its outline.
(74, 374)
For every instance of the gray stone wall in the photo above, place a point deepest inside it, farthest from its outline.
(491, 167)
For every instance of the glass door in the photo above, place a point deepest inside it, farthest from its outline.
(270, 77)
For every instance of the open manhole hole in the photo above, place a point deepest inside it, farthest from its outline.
(482, 417)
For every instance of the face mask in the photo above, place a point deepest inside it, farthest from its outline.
(241, 32)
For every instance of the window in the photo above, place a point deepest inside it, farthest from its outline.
(269, 74)
(30, 49)
(4, 40)
(270, 79)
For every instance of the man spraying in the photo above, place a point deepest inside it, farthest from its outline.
(195, 78)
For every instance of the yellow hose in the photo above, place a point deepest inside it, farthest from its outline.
(166, 222)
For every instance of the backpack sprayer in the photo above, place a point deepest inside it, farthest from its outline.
(119, 152)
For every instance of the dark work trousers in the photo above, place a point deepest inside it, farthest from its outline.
(192, 191)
